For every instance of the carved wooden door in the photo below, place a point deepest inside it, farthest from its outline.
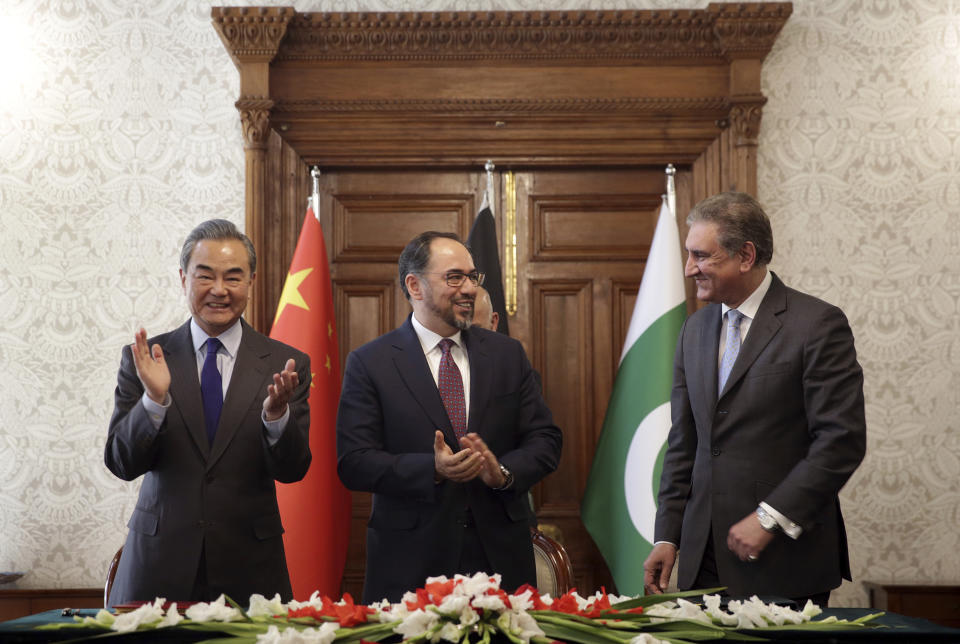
(582, 239)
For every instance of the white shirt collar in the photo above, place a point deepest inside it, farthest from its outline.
(751, 305)
(429, 339)
(229, 338)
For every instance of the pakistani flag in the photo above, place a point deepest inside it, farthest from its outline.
(619, 506)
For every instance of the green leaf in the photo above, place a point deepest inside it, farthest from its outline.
(650, 600)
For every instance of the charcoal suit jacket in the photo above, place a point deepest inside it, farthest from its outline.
(219, 499)
(390, 408)
(788, 429)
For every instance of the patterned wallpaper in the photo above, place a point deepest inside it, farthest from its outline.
(118, 133)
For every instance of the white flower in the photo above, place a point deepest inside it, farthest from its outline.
(416, 623)
(478, 584)
(216, 611)
(523, 601)
(489, 602)
(260, 606)
(811, 610)
(712, 602)
(315, 601)
(172, 618)
(646, 638)
(454, 604)
(102, 618)
(323, 635)
(146, 614)
(520, 624)
(450, 632)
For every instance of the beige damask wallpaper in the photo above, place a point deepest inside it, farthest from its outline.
(118, 133)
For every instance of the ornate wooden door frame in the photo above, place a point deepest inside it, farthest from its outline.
(552, 88)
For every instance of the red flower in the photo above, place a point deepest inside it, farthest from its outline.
(348, 613)
(566, 604)
(534, 596)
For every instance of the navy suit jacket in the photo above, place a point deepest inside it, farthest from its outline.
(788, 429)
(390, 408)
(219, 499)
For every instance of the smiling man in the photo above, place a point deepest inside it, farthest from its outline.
(768, 423)
(210, 414)
(446, 426)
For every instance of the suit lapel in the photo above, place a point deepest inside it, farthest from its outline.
(185, 384)
(248, 378)
(762, 329)
(413, 369)
(480, 383)
(710, 349)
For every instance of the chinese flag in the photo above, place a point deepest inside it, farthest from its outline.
(316, 510)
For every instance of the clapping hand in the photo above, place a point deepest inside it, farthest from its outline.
(151, 367)
(279, 393)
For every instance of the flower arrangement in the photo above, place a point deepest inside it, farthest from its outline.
(472, 609)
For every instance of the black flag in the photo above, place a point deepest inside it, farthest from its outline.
(483, 245)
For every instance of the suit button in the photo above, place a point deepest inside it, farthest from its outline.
(209, 478)
(715, 451)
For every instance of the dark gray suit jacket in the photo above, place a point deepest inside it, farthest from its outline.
(389, 410)
(195, 497)
(788, 429)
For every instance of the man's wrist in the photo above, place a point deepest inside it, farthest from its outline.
(507, 478)
(767, 521)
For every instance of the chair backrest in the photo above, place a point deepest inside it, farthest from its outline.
(554, 569)
(111, 574)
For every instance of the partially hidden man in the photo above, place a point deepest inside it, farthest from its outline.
(768, 423)
(446, 425)
(210, 415)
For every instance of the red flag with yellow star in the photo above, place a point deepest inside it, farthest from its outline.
(316, 510)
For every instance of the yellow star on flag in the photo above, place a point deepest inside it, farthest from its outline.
(313, 379)
(328, 365)
(290, 293)
(329, 330)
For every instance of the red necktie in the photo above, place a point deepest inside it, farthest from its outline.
(450, 384)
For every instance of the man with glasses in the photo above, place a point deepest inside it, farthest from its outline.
(446, 426)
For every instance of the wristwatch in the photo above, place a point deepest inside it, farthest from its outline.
(507, 478)
(767, 522)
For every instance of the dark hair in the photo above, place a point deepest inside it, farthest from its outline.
(416, 256)
(739, 219)
(216, 229)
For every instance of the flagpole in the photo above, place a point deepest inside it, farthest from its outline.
(314, 198)
(671, 190)
(487, 201)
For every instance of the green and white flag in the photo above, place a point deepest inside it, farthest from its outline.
(619, 505)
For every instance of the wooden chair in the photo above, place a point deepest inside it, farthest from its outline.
(554, 569)
(111, 574)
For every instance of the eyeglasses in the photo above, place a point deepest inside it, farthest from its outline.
(456, 278)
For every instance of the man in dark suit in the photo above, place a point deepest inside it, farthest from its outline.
(210, 425)
(768, 423)
(446, 426)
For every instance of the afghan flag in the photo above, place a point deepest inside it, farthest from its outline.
(619, 505)
(483, 246)
(315, 510)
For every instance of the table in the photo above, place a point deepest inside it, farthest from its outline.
(938, 603)
(899, 630)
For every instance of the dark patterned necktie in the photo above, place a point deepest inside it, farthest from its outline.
(450, 383)
(732, 347)
(211, 388)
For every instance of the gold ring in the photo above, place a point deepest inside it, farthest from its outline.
(751, 557)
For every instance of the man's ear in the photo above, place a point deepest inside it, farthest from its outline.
(495, 320)
(412, 283)
(748, 256)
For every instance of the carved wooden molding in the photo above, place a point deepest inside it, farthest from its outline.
(255, 120)
(634, 37)
(748, 30)
(745, 121)
(710, 105)
(252, 34)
